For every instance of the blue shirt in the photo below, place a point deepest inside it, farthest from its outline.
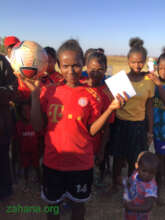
(159, 117)
(85, 74)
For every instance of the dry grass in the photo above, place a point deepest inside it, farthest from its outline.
(119, 63)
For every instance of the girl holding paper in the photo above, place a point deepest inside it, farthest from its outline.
(71, 115)
(130, 135)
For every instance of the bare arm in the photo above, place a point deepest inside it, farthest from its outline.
(37, 116)
(117, 103)
(157, 82)
(98, 124)
(145, 207)
(38, 119)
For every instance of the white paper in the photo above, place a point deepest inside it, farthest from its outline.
(120, 83)
(150, 66)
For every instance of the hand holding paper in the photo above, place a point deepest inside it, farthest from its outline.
(120, 83)
(118, 102)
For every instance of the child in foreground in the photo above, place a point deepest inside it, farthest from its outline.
(140, 190)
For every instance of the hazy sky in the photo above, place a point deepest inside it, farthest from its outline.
(95, 23)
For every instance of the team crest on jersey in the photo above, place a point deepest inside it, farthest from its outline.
(83, 101)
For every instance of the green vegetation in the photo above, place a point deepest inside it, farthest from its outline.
(2, 48)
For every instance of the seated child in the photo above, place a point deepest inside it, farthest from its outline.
(28, 142)
(140, 190)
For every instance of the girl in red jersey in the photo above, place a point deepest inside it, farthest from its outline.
(96, 64)
(28, 142)
(72, 117)
(52, 75)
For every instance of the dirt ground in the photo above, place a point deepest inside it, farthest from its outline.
(101, 206)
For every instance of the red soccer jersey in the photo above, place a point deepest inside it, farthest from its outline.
(70, 111)
(104, 94)
(27, 137)
(29, 144)
(55, 78)
(105, 98)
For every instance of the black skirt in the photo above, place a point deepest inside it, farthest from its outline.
(128, 139)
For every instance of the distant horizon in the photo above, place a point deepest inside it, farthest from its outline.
(107, 54)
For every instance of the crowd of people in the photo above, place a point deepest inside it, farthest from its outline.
(72, 120)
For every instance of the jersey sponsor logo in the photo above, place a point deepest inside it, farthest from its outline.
(28, 134)
(55, 111)
(83, 101)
